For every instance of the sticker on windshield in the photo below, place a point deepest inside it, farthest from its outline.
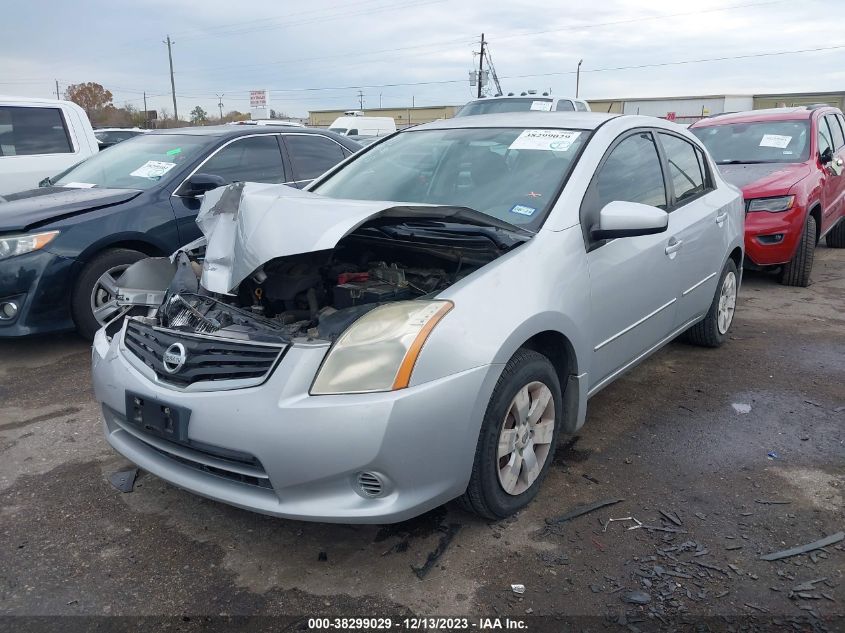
(542, 106)
(547, 140)
(79, 185)
(521, 209)
(153, 169)
(775, 140)
(174, 151)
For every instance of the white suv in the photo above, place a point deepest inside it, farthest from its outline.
(40, 138)
(523, 103)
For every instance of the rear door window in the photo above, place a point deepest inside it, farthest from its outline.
(825, 138)
(312, 155)
(836, 131)
(581, 106)
(251, 159)
(28, 131)
(684, 167)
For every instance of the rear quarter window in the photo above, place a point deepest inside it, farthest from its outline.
(29, 131)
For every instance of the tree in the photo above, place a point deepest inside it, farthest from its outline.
(199, 116)
(90, 96)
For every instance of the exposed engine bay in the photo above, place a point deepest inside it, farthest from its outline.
(319, 294)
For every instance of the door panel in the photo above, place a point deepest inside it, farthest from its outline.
(835, 180)
(633, 300)
(698, 222)
(633, 279)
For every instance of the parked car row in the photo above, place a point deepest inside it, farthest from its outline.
(566, 246)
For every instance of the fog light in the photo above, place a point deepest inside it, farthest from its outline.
(775, 238)
(8, 310)
(369, 485)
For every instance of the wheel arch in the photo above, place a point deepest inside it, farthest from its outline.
(548, 335)
(133, 241)
(816, 212)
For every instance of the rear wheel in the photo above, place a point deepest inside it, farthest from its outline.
(712, 330)
(797, 271)
(94, 300)
(518, 437)
(836, 237)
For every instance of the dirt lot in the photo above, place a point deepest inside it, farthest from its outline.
(744, 446)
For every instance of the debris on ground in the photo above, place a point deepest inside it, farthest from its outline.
(636, 597)
(772, 502)
(741, 407)
(580, 511)
(672, 516)
(448, 533)
(518, 589)
(803, 549)
(772, 455)
(322, 557)
(124, 480)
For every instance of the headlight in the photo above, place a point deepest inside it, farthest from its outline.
(20, 244)
(378, 351)
(773, 205)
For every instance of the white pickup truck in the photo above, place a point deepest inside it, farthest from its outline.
(40, 138)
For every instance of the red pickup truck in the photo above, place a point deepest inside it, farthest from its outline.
(789, 164)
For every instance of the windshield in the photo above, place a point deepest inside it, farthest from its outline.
(511, 174)
(496, 106)
(758, 142)
(138, 163)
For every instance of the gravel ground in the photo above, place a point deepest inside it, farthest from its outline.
(721, 455)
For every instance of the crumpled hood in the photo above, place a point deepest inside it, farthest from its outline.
(248, 224)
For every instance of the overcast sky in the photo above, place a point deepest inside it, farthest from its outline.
(225, 47)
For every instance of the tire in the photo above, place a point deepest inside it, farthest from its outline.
(712, 330)
(797, 271)
(486, 494)
(113, 262)
(836, 237)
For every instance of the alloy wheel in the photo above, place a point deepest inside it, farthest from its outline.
(526, 437)
(104, 296)
(727, 303)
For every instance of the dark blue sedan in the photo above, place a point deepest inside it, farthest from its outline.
(63, 246)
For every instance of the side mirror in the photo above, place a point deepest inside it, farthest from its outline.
(826, 156)
(629, 219)
(199, 184)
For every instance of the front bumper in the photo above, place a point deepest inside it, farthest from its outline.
(39, 283)
(308, 450)
(762, 245)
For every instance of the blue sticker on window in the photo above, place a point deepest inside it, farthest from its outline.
(521, 209)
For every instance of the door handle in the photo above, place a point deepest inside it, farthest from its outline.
(721, 218)
(673, 246)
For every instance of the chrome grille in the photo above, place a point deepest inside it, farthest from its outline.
(206, 358)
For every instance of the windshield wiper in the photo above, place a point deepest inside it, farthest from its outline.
(742, 162)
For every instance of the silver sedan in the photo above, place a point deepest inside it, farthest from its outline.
(423, 322)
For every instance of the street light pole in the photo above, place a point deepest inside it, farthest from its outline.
(578, 76)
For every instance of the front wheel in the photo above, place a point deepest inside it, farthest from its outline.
(94, 300)
(712, 330)
(796, 272)
(518, 437)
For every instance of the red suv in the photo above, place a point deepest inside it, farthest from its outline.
(789, 164)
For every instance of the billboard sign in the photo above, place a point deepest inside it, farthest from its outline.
(258, 98)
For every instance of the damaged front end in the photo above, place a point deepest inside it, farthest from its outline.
(279, 265)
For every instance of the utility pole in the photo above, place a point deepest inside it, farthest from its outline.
(57, 90)
(169, 43)
(379, 100)
(361, 100)
(578, 77)
(220, 105)
(146, 114)
(480, 65)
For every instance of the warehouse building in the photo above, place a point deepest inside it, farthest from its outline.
(691, 109)
(403, 116)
